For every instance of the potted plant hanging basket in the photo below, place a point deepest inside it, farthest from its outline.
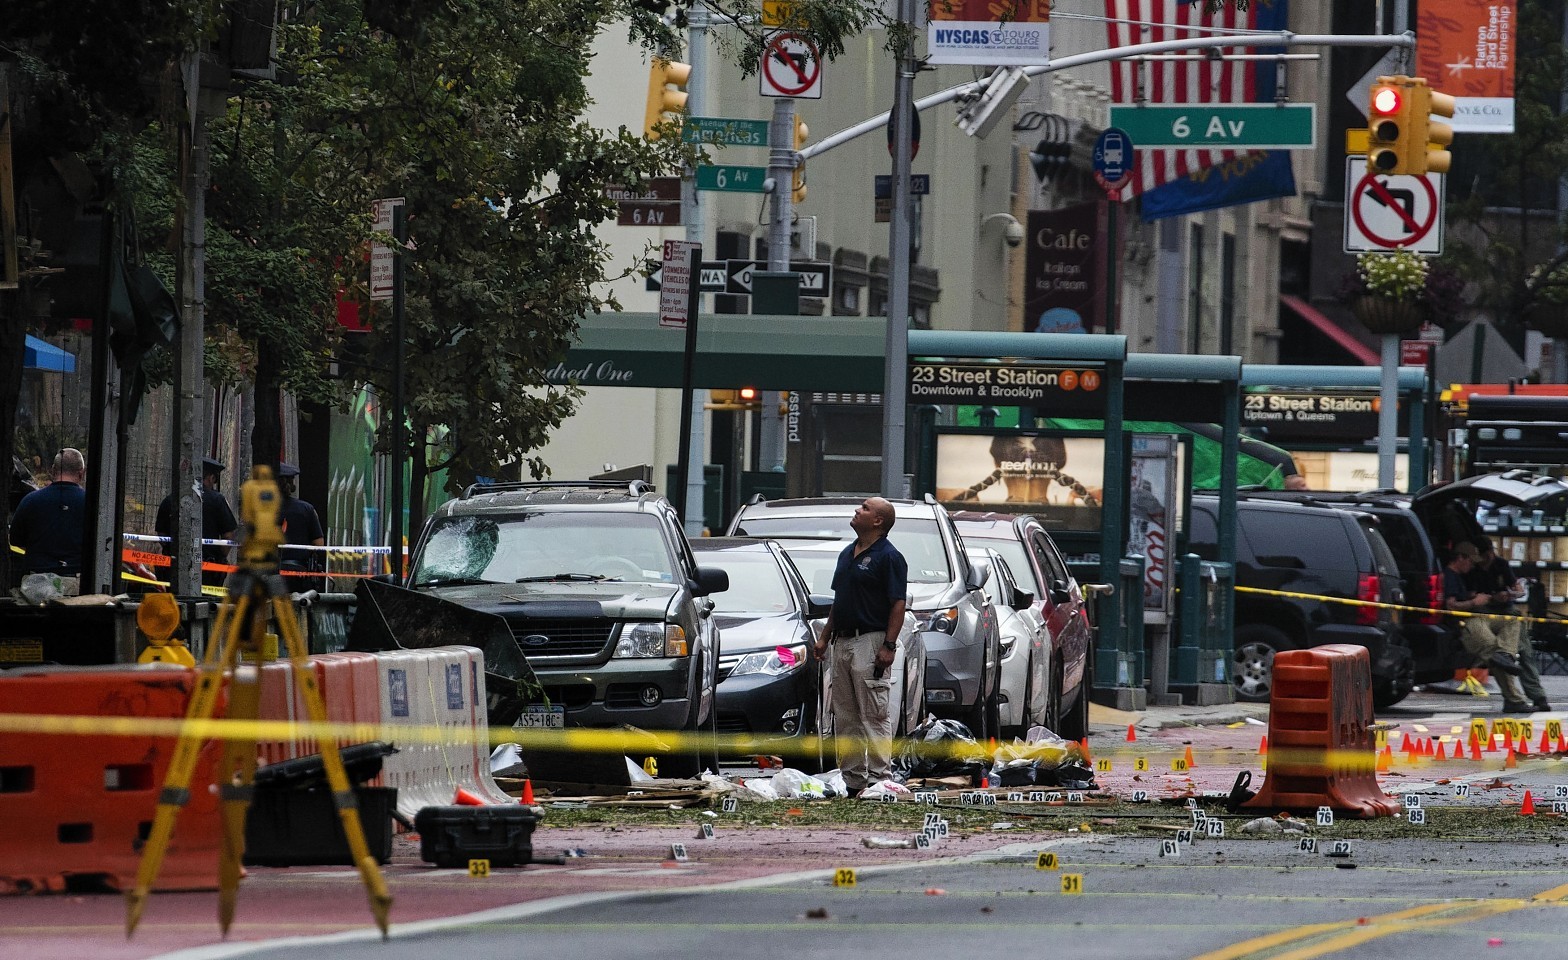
(1551, 319)
(1384, 315)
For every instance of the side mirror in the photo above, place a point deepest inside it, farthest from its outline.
(1059, 592)
(1022, 599)
(710, 580)
(818, 605)
(979, 575)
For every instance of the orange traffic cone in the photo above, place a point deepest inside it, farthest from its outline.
(1475, 749)
(1190, 762)
(1527, 806)
(1385, 760)
(1084, 743)
(1546, 744)
(1132, 734)
(1442, 751)
(1510, 761)
(466, 799)
(1263, 745)
(528, 793)
(1524, 747)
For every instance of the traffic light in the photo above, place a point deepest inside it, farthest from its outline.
(1429, 137)
(798, 181)
(1388, 123)
(662, 75)
(743, 398)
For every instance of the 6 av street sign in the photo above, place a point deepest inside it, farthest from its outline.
(729, 179)
(1252, 126)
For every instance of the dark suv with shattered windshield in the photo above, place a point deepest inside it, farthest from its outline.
(598, 585)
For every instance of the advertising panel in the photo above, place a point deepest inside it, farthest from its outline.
(1465, 48)
(989, 32)
(1064, 269)
(1152, 514)
(1057, 478)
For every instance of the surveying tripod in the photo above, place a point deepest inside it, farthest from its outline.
(254, 590)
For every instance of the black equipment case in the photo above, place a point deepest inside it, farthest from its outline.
(452, 836)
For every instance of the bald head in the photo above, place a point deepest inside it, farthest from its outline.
(873, 518)
(883, 510)
(69, 465)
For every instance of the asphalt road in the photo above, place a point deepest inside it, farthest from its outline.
(1226, 898)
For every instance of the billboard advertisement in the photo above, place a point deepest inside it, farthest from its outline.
(1465, 48)
(1057, 478)
(989, 32)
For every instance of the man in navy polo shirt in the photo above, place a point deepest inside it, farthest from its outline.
(869, 590)
(48, 523)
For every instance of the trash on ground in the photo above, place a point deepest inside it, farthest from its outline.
(887, 843)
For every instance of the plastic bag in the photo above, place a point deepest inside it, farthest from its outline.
(940, 748)
(793, 784)
(885, 788)
(1045, 760)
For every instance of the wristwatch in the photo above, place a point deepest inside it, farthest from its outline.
(890, 645)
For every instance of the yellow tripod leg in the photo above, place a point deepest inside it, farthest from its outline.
(216, 659)
(238, 770)
(337, 777)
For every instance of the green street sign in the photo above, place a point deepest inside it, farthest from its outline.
(1253, 126)
(731, 179)
(724, 130)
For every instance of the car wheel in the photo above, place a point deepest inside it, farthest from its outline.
(1074, 724)
(1252, 663)
(1390, 692)
(702, 745)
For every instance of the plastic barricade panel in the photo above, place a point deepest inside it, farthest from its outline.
(1321, 750)
(350, 688)
(479, 729)
(74, 810)
(280, 700)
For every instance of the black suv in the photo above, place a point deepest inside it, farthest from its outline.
(597, 583)
(1317, 550)
(1434, 646)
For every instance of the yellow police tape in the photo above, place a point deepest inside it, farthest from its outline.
(636, 742)
(1396, 606)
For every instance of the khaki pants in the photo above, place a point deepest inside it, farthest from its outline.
(1484, 636)
(861, 720)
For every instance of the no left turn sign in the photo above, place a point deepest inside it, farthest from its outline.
(790, 67)
(1392, 212)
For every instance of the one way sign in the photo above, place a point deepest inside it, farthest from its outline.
(734, 277)
(816, 279)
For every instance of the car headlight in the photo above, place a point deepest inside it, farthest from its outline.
(942, 621)
(769, 662)
(652, 640)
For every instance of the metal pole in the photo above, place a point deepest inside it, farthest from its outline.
(1388, 412)
(692, 511)
(396, 459)
(190, 385)
(781, 170)
(897, 345)
(683, 466)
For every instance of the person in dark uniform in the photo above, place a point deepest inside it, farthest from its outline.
(217, 521)
(301, 526)
(870, 587)
(48, 524)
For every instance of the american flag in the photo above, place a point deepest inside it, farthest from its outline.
(1183, 81)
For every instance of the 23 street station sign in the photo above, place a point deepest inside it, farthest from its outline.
(1060, 390)
(1301, 415)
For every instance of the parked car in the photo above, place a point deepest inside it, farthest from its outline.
(1434, 645)
(957, 625)
(815, 560)
(770, 684)
(1035, 561)
(1025, 699)
(601, 591)
(1293, 553)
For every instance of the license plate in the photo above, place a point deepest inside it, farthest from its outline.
(551, 717)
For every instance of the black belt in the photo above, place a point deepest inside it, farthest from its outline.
(851, 634)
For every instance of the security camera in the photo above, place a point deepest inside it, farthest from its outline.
(1013, 233)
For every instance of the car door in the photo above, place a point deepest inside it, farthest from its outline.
(1065, 616)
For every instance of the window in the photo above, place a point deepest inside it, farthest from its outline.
(512, 547)
(1301, 540)
(1195, 288)
(756, 583)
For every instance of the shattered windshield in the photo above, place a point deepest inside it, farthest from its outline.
(539, 547)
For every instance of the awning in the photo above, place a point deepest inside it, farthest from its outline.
(1339, 335)
(42, 355)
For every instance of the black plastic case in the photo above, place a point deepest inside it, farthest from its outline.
(452, 836)
(292, 828)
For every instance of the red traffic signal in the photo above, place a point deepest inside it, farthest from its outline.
(1386, 101)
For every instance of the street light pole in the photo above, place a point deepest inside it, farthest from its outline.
(894, 480)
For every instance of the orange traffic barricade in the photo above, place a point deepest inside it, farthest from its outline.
(76, 809)
(1322, 751)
